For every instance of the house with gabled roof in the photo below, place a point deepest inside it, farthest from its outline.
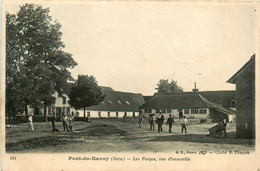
(115, 105)
(244, 79)
(190, 104)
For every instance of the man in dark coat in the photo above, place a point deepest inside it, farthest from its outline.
(151, 121)
(159, 121)
(170, 122)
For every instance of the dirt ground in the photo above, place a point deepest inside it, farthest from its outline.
(114, 135)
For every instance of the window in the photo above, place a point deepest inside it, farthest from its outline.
(119, 102)
(157, 111)
(63, 100)
(203, 111)
(163, 110)
(169, 111)
(117, 114)
(133, 114)
(233, 102)
(108, 114)
(194, 111)
(109, 101)
(147, 110)
(99, 114)
(186, 111)
(127, 102)
(88, 114)
(179, 110)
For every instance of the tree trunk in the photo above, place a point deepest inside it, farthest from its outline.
(84, 114)
(45, 115)
(26, 113)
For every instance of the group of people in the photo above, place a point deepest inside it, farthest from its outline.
(67, 122)
(160, 120)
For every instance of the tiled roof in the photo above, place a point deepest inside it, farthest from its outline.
(183, 101)
(234, 77)
(218, 106)
(146, 98)
(119, 101)
(220, 97)
(223, 98)
(180, 101)
(103, 88)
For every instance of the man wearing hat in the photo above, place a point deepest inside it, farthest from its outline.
(170, 122)
(159, 121)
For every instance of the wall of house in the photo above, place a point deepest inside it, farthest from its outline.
(245, 94)
(58, 107)
(104, 114)
(175, 113)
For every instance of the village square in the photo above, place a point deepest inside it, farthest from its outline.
(49, 110)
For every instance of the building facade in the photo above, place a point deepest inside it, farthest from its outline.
(61, 105)
(245, 99)
(191, 105)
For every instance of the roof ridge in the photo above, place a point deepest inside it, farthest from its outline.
(127, 92)
(252, 58)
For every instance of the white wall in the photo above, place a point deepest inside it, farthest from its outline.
(59, 100)
(104, 114)
(175, 114)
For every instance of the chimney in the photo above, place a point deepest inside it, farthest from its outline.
(195, 90)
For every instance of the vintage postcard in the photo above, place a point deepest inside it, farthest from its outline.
(129, 85)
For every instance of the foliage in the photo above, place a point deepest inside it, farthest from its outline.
(85, 92)
(166, 87)
(36, 65)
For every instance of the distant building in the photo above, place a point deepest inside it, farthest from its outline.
(193, 105)
(245, 99)
(61, 105)
(115, 105)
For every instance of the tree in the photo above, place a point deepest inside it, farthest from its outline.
(164, 87)
(36, 64)
(85, 93)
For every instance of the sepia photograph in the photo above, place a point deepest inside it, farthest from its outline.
(113, 81)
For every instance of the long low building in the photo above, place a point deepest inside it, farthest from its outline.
(191, 105)
(115, 105)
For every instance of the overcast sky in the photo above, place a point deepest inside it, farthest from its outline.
(130, 46)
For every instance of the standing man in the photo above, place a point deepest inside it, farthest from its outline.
(31, 127)
(162, 118)
(65, 121)
(159, 121)
(224, 125)
(170, 121)
(53, 119)
(151, 121)
(184, 123)
(140, 119)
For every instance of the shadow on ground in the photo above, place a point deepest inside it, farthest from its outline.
(203, 138)
(79, 136)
